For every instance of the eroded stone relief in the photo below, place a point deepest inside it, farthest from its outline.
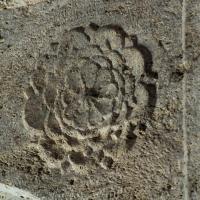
(89, 108)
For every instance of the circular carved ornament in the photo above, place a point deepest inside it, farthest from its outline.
(93, 101)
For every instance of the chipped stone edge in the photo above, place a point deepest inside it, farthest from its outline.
(11, 193)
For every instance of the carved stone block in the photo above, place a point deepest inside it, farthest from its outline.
(95, 99)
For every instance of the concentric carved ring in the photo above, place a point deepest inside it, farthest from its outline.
(99, 91)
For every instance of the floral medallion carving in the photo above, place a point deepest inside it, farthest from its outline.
(86, 109)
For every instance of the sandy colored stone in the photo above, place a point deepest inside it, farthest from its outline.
(97, 101)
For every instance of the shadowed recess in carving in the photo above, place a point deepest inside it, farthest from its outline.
(77, 158)
(98, 86)
(53, 149)
(35, 112)
(131, 137)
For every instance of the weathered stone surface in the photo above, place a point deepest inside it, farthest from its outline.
(93, 102)
(192, 97)
(10, 4)
(13, 193)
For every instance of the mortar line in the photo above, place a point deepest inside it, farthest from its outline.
(184, 111)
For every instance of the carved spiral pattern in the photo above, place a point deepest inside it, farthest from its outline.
(93, 100)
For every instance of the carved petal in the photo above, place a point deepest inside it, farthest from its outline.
(89, 73)
(50, 95)
(78, 39)
(109, 91)
(53, 124)
(38, 80)
(103, 105)
(108, 38)
(89, 51)
(134, 61)
(141, 95)
(50, 90)
(102, 61)
(80, 114)
(74, 81)
(103, 78)
(95, 116)
(115, 58)
(35, 112)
